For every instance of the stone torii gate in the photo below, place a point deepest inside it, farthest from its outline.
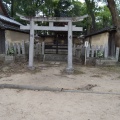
(32, 26)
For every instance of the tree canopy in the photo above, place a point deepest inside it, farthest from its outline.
(99, 16)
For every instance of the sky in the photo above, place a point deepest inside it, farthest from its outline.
(100, 3)
(81, 0)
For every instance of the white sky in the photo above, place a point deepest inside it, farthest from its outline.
(81, 0)
(100, 3)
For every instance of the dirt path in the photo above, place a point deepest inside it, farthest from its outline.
(34, 105)
(52, 75)
(41, 105)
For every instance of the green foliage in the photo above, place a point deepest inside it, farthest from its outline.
(79, 9)
(11, 51)
(63, 8)
(103, 17)
(100, 54)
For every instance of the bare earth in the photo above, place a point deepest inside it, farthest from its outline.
(95, 92)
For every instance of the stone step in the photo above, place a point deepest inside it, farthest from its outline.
(51, 57)
(102, 61)
(106, 62)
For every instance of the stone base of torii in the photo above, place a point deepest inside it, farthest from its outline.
(32, 27)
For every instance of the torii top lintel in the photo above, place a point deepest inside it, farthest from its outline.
(53, 19)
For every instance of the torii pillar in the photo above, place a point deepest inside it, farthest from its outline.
(31, 45)
(70, 64)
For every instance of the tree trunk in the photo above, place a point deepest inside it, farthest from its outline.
(116, 20)
(12, 8)
(93, 21)
(90, 8)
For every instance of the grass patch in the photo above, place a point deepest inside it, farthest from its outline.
(118, 77)
(98, 76)
(111, 69)
(75, 72)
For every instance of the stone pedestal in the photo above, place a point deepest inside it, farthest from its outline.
(9, 58)
(69, 70)
(20, 58)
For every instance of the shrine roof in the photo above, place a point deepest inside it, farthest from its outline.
(10, 20)
(106, 29)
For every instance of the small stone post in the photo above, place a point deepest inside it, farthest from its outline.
(74, 49)
(23, 47)
(39, 45)
(88, 51)
(106, 51)
(15, 48)
(18, 48)
(6, 47)
(117, 53)
(43, 48)
(93, 49)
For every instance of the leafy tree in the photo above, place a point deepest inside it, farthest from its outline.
(62, 8)
(103, 17)
(48, 7)
(27, 7)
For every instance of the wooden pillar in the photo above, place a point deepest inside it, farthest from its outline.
(70, 65)
(31, 44)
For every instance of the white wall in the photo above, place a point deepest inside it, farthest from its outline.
(13, 36)
(99, 39)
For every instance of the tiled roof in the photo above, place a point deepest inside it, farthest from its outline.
(9, 20)
(106, 29)
(11, 27)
